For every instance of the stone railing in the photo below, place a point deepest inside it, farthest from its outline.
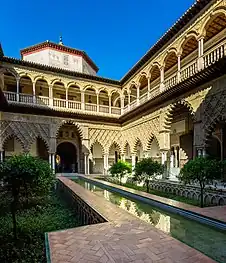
(210, 197)
(56, 103)
(86, 214)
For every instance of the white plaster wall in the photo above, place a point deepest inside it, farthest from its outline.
(97, 151)
(178, 127)
(17, 149)
(56, 58)
(154, 150)
(33, 150)
(98, 161)
(41, 57)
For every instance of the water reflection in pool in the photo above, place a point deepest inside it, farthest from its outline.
(203, 238)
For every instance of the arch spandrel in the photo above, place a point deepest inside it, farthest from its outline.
(114, 144)
(77, 125)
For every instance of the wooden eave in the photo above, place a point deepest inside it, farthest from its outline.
(47, 68)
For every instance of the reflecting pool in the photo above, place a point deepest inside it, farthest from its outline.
(206, 239)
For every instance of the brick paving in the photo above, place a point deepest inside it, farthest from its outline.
(123, 239)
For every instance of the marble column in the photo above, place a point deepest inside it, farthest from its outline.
(50, 160)
(53, 162)
(178, 68)
(149, 86)
(33, 89)
(122, 103)
(162, 86)
(200, 53)
(18, 89)
(133, 161)
(1, 156)
(82, 100)
(164, 157)
(106, 164)
(172, 159)
(138, 95)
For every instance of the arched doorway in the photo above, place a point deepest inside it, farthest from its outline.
(66, 159)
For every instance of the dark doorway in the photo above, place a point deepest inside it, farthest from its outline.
(67, 160)
(214, 149)
(42, 150)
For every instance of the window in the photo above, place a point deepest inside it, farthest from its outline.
(66, 60)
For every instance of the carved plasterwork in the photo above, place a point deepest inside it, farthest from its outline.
(25, 132)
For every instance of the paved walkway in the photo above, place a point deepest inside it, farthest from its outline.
(123, 239)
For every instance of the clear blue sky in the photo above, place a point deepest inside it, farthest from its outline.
(114, 33)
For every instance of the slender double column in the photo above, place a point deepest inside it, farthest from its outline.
(133, 161)
(52, 161)
(86, 163)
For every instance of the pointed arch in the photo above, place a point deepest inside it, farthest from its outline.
(124, 148)
(150, 140)
(98, 143)
(179, 104)
(116, 145)
(15, 138)
(39, 137)
(136, 143)
(62, 123)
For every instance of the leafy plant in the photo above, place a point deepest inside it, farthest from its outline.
(147, 169)
(25, 176)
(202, 171)
(120, 169)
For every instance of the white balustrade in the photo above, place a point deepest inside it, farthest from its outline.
(133, 104)
(189, 70)
(10, 96)
(26, 98)
(41, 100)
(143, 98)
(214, 55)
(116, 110)
(60, 103)
(126, 108)
(74, 105)
(171, 81)
(90, 107)
(104, 108)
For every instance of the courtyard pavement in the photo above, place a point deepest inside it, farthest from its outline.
(123, 239)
